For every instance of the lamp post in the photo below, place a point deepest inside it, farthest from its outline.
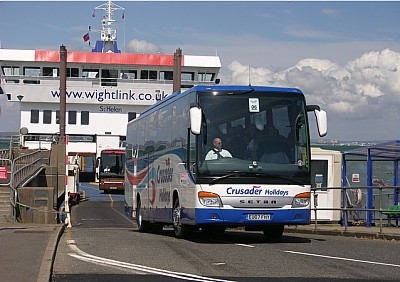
(63, 88)
(177, 70)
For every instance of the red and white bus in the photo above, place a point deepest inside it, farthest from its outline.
(169, 181)
(111, 167)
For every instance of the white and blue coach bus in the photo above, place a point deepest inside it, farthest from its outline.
(263, 184)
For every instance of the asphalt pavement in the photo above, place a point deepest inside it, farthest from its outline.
(28, 250)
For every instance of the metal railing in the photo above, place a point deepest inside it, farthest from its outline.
(371, 209)
(51, 80)
(25, 165)
(20, 166)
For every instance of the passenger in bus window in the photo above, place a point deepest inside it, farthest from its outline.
(275, 147)
(217, 152)
(251, 139)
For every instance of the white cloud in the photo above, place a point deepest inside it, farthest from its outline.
(142, 46)
(366, 89)
(329, 12)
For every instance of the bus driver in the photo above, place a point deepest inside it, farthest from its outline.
(217, 152)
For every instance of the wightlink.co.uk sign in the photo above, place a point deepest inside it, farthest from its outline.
(114, 96)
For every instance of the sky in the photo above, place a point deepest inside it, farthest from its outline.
(345, 56)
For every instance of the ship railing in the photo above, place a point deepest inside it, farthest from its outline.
(360, 206)
(50, 80)
(39, 141)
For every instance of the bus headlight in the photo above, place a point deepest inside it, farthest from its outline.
(209, 199)
(301, 200)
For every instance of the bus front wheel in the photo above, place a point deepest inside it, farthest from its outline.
(181, 230)
(143, 226)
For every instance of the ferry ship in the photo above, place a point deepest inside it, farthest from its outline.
(105, 89)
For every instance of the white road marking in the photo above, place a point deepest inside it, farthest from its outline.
(347, 259)
(141, 268)
(244, 245)
(111, 199)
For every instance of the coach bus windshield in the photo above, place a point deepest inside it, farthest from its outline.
(260, 133)
(112, 164)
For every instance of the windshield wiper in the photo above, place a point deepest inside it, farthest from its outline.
(246, 92)
(219, 178)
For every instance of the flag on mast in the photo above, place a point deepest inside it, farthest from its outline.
(86, 37)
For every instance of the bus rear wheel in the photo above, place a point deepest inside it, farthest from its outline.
(273, 233)
(181, 230)
(143, 226)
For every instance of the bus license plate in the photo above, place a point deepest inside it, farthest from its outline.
(258, 217)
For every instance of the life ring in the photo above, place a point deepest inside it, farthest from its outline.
(358, 194)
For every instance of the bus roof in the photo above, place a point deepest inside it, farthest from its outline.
(113, 151)
(244, 88)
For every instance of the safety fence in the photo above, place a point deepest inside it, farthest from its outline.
(363, 206)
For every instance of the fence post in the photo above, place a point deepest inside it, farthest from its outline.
(344, 212)
(13, 191)
(315, 208)
(380, 208)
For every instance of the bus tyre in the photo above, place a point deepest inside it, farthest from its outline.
(143, 226)
(181, 230)
(273, 233)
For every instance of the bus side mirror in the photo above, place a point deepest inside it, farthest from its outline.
(320, 115)
(195, 119)
(322, 122)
